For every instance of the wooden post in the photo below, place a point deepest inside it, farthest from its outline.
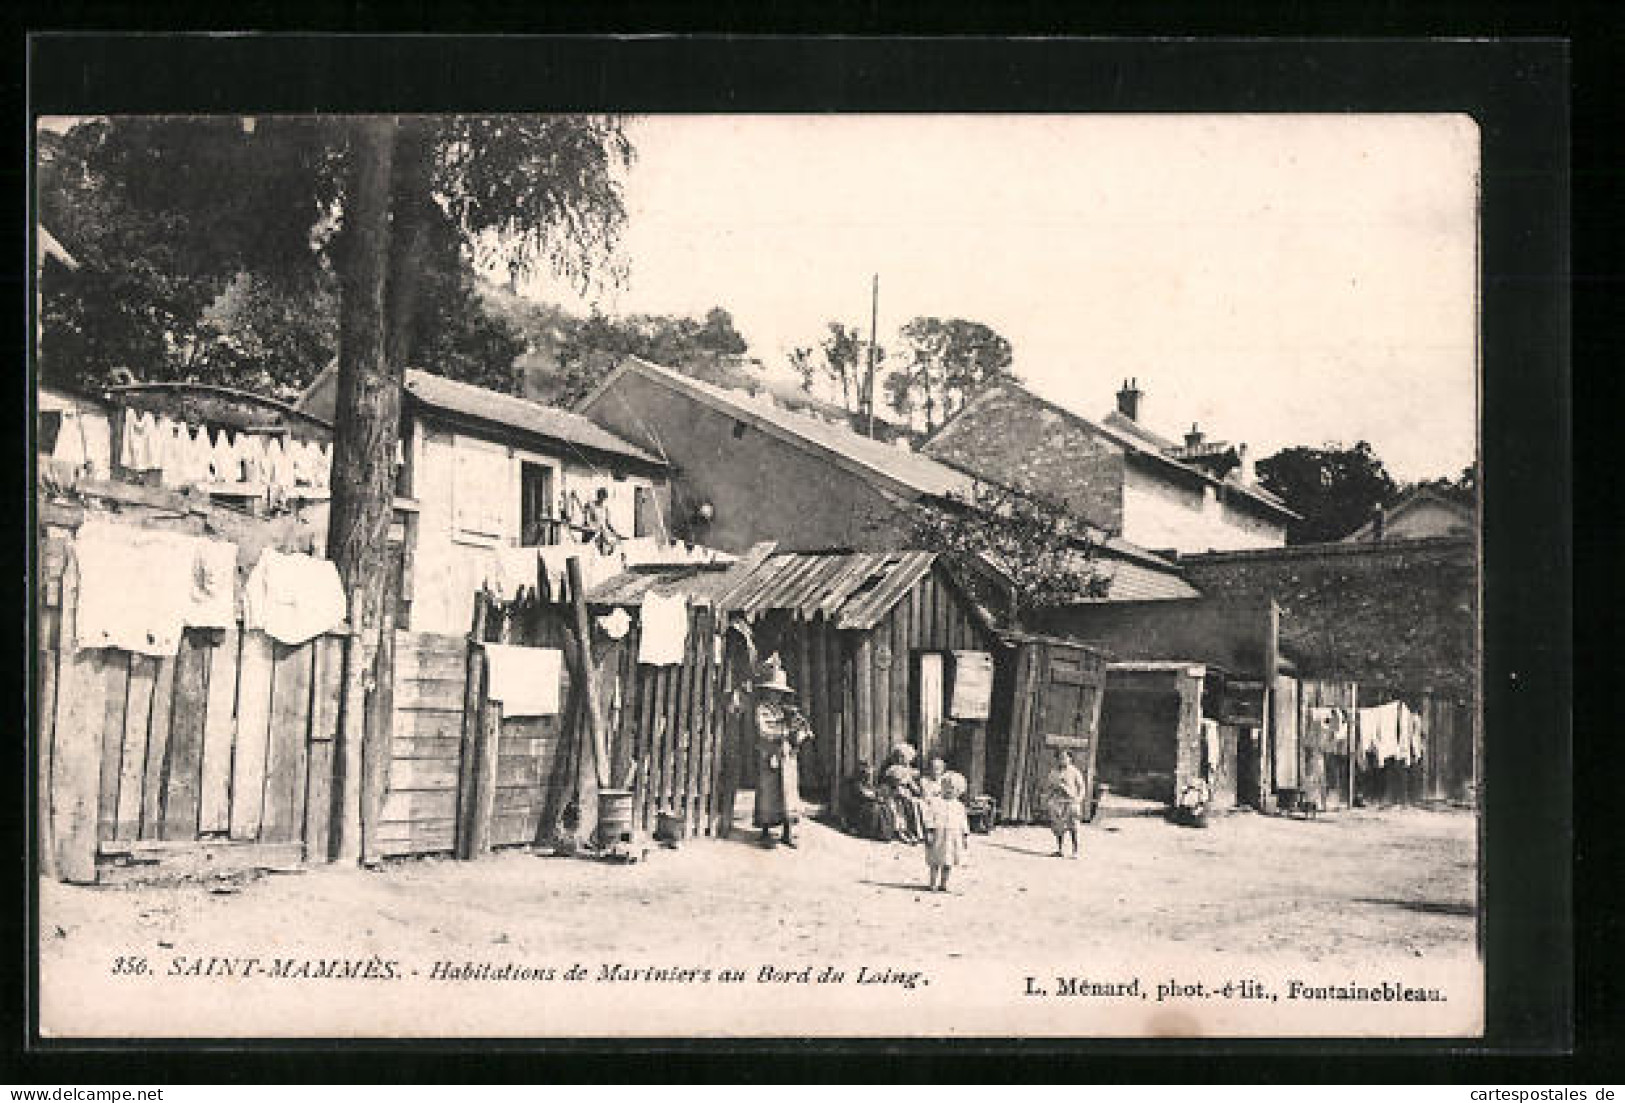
(590, 767)
(347, 846)
(485, 784)
(379, 740)
(473, 694)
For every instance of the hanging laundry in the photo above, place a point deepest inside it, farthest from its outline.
(293, 598)
(84, 441)
(663, 629)
(251, 450)
(1210, 746)
(324, 465)
(554, 558)
(278, 471)
(1322, 729)
(223, 465)
(510, 571)
(525, 679)
(615, 624)
(213, 597)
(135, 587)
(138, 441)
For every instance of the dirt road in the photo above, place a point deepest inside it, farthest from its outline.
(1340, 887)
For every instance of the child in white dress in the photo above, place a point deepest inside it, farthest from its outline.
(947, 832)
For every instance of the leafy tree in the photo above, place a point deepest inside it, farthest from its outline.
(1334, 488)
(1463, 489)
(843, 348)
(575, 354)
(205, 249)
(801, 362)
(1040, 550)
(949, 362)
(372, 200)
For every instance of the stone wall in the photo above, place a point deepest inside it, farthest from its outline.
(1014, 439)
(1398, 615)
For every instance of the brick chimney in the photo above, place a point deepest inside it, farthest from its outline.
(1129, 399)
(1193, 439)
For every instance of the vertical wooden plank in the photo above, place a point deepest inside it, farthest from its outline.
(378, 748)
(76, 750)
(326, 687)
(831, 691)
(862, 660)
(118, 678)
(902, 664)
(699, 649)
(283, 818)
(666, 730)
(708, 724)
(486, 751)
(156, 777)
(624, 669)
(473, 694)
(648, 764)
(812, 692)
(179, 814)
(45, 716)
(880, 671)
(687, 677)
(252, 737)
(927, 636)
(133, 752)
(1015, 753)
(219, 725)
(916, 611)
(327, 675)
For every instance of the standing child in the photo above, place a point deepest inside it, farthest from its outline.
(947, 833)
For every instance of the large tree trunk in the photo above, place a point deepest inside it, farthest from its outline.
(366, 423)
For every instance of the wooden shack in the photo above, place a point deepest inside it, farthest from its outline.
(882, 647)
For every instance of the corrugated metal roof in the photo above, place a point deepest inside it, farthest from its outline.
(853, 589)
(509, 410)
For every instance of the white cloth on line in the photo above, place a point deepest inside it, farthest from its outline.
(525, 679)
(293, 598)
(134, 589)
(213, 593)
(615, 623)
(663, 629)
(1210, 743)
(140, 588)
(509, 571)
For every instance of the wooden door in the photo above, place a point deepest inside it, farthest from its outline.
(1066, 716)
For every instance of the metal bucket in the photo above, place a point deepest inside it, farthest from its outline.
(614, 816)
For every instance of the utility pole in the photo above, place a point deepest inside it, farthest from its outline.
(869, 386)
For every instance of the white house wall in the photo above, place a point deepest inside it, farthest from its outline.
(456, 547)
(1161, 514)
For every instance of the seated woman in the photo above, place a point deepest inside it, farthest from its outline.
(901, 783)
(868, 811)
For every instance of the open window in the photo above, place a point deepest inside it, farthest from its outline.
(539, 523)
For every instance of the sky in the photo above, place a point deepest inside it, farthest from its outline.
(1278, 279)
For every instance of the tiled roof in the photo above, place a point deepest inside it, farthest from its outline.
(1133, 582)
(907, 468)
(440, 393)
(1126, 434)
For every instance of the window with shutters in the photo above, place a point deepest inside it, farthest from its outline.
(480, 490)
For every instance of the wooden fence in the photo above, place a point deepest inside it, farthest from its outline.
(465, 779)
(222, 754)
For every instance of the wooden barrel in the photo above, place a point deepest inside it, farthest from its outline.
(614, 816)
